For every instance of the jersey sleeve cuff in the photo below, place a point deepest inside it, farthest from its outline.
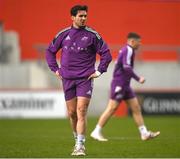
(98, 73)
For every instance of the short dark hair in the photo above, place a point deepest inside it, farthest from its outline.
(76, 8)
(133, 35)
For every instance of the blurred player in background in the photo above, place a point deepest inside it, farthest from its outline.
(121, 90)
(79, 45)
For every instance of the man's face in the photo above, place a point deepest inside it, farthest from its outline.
(136, 43)
(80, 19)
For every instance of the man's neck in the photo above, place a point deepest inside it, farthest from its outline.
(77, 27)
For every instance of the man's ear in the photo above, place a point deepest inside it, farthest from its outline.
(72, 17)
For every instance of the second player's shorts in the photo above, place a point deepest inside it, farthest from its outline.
(119, 92)
(77, 88)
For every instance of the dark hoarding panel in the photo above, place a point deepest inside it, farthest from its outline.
(159, 102)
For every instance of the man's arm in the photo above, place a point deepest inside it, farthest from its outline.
(127, 56)
(105, 58)
(51, 52)
(105, 55)
(53, 48)
(129, 71)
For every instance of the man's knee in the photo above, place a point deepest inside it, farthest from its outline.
(72, 114)
(81, 110)
(113, 105)
(81, 113)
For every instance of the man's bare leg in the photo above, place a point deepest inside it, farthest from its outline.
(82, 107)
(104, 118)
(138, 118)
(72, 114)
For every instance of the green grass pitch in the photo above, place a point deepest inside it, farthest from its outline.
(34, 138)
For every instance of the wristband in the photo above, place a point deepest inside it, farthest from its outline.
(98, 73)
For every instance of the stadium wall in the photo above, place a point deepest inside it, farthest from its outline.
(34, 24)
(158, 22)
(31, 77)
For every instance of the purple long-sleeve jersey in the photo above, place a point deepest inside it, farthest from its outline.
(123, 71)
(78, 53)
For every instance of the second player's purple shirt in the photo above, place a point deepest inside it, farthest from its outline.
(123, 71)
(78, 53)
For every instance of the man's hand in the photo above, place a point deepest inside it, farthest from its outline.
(57, 74)
(94, 75)
(142, 80)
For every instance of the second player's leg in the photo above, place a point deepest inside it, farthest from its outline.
(109, 111)
(136, 111)
(104, 118)
(138, 118)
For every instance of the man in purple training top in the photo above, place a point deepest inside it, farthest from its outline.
(121, 90)
(79, 45)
